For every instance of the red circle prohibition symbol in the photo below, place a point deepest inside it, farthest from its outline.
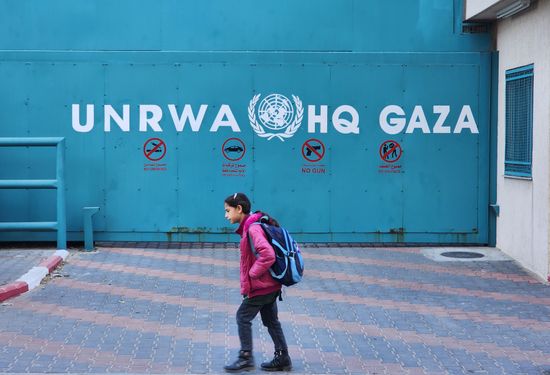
(313, 153)
(393, 149)
(233, 148)
(158, 147)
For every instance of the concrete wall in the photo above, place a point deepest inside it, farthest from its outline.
(523, 225)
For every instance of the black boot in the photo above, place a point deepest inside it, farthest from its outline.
(280, 362)
(245, 362)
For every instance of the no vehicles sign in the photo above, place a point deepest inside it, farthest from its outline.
(233, 149)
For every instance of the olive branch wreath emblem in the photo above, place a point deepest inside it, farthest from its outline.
(289, 132)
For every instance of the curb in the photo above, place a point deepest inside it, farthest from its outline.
(32, 279)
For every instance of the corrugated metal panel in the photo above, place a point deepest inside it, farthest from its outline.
(244, 25)
(326, 53)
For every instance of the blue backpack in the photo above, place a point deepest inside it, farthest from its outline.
(289, 264)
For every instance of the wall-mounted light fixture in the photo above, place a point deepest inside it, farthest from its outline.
(515, 7)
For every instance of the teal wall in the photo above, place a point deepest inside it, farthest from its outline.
(363, 54)
(242, 25)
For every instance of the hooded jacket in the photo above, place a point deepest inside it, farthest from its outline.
(255, 277)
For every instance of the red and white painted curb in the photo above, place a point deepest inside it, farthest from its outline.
(32, 279)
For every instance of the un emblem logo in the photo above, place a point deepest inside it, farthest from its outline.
(276, 113)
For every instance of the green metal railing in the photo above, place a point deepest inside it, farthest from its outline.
(59, 183)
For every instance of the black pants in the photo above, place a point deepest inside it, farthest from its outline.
(270, 319)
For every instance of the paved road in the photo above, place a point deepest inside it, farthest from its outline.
(131, 309)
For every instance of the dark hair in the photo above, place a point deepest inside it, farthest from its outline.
(268, 219)
(239, 199)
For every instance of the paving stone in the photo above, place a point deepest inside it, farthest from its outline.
(385, 310)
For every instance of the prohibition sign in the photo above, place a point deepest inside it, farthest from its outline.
(154, 146)
(233, 145)
(390, 151)
(313, 150)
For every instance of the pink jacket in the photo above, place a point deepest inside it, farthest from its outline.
(255, 277)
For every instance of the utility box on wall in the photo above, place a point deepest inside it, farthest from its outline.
(343, 138)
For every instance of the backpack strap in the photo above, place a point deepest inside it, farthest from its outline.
(252, 242)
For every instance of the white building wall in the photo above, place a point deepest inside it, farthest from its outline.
(524, 223)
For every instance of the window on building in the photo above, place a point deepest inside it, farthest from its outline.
(519, 121)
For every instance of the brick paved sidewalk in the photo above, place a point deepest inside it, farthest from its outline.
(358, 311)
(16, 262)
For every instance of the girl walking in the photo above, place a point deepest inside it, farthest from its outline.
(258, 288)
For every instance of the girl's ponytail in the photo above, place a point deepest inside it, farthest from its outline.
(266, 218)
